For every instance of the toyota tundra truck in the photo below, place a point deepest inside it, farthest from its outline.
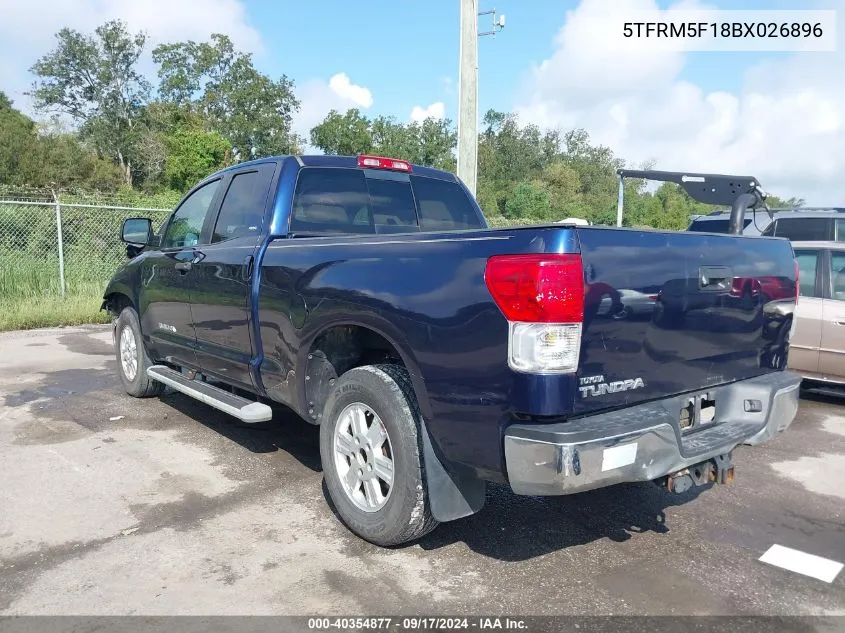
(437, 354)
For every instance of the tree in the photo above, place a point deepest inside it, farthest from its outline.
(562, 184)
(17, 142)
(508, 152)
(343, 134)
(174, 147)
(436, 140)
(528, 202)
(191, 156)
(393, 138)
(252, 111)
(95, 81)
(429, 142)
(41, 158)
(774, 202)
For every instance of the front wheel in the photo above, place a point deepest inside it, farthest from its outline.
(132, 359)
(371, 451)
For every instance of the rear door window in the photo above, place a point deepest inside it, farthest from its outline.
(805, 229)
(808, 264)
(331, 200)
(242, 210)
(443, 205)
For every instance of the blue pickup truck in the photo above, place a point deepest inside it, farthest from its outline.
(437, 354)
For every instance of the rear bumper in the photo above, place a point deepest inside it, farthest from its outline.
(644, 442)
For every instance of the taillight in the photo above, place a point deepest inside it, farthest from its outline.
(797, 281)
(542, 297)
(380, 162)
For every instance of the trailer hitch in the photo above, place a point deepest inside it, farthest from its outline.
(718, 470)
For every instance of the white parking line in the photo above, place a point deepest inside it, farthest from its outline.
(801, 563)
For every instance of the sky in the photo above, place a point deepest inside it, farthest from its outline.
(777, 116)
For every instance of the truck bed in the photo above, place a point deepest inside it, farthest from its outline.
(426, 294)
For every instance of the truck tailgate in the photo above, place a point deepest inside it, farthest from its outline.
(667, 313)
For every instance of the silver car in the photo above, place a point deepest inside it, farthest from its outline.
(817, 345)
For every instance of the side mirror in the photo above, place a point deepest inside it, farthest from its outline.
(137, 231)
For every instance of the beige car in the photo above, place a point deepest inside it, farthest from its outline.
(817, 345)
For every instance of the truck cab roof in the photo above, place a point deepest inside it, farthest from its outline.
(331, 160)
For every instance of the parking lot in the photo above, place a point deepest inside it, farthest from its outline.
(112, 505)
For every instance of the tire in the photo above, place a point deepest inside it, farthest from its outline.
(137, 385)
(404, 514)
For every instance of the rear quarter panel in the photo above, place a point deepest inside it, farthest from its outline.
(425, 292)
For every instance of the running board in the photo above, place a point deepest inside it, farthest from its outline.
(245, 410)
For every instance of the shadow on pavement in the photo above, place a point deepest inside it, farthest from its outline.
(285, 432)
(516, 528)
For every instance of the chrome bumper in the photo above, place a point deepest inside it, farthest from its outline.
(644, 442)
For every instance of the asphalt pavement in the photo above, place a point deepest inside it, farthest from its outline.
(164, 506)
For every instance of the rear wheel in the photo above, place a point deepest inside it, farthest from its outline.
(132, 359)
(371, 453)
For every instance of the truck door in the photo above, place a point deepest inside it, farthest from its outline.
(164, 295)
(221, 277)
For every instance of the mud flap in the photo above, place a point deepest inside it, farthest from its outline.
(452, 495)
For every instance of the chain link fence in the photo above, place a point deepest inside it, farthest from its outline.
(60, 246)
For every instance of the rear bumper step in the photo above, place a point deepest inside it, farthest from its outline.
(644, 442)
(245, 410)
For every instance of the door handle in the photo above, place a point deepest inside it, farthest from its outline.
(184, 267)
(246, 271)
(714, 278)
(839, 322)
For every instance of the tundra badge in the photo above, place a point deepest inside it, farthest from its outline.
(592, 386)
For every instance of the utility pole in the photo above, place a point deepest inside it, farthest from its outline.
(468, 90)
(468, 95)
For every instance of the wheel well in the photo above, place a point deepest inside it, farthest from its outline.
(336, 351)
(116, 302)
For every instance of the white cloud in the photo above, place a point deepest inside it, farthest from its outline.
(436, 110)
(348, 91)
(785, 125)
(27, 28)
(317, 97)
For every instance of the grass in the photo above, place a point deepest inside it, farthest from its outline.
(80, 306)
(30, 295)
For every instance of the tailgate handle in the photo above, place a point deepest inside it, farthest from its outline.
(714, 277)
